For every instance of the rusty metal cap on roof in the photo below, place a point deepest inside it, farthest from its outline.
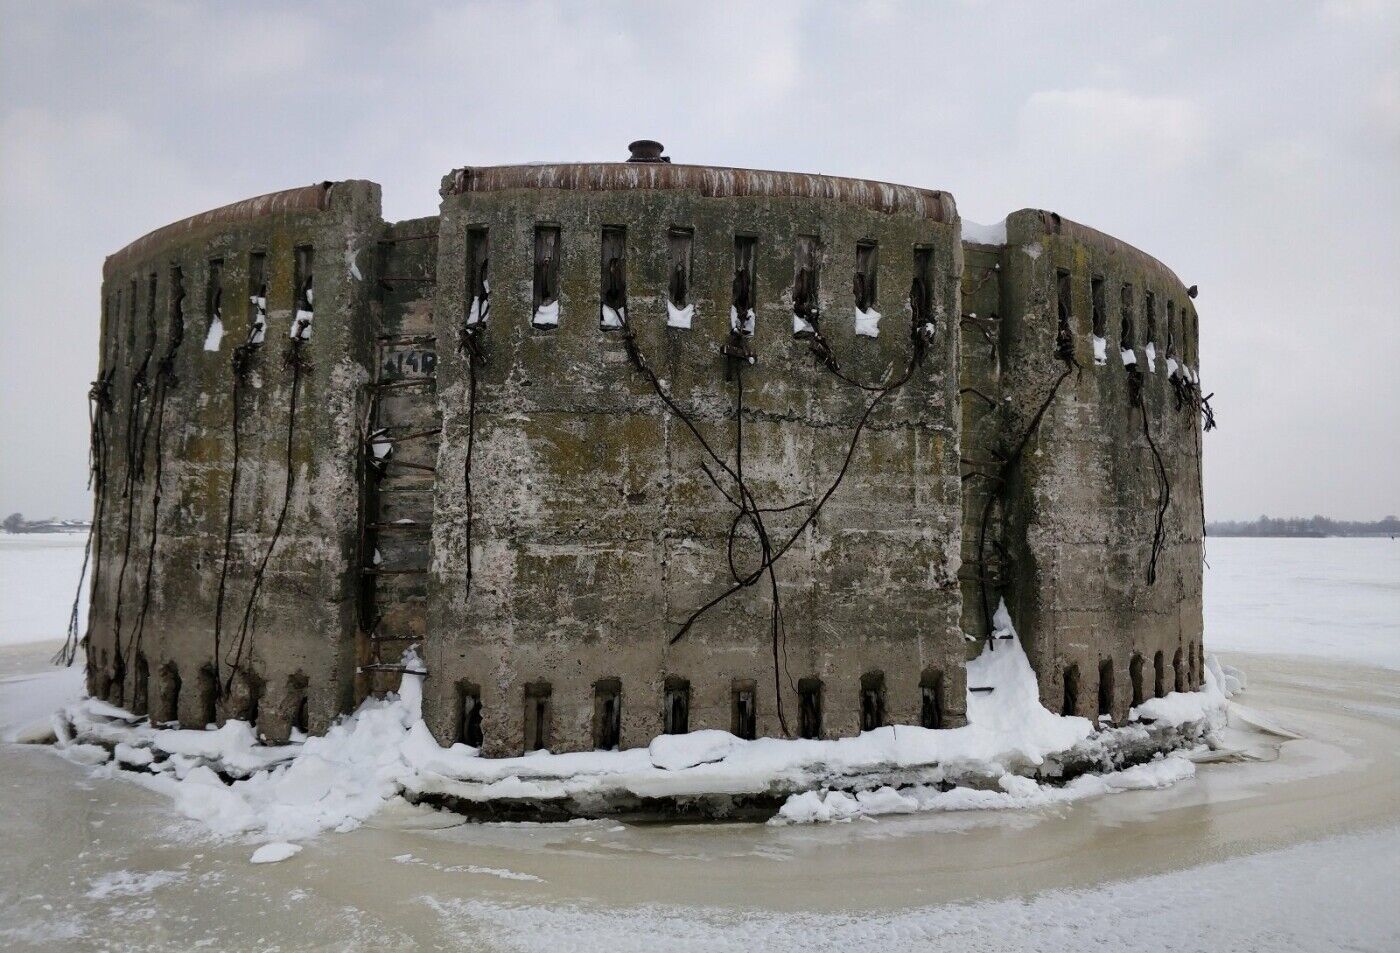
(647, 150)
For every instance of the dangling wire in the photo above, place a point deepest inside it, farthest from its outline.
(1064, 352)
(165, 378)
(241, 363)
(298, 362)
(99, 405)
(476, 358)
(136, 396)
(748, 510)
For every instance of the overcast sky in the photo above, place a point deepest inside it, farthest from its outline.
(1253, 147)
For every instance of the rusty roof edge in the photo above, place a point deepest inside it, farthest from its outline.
(1054, 224)
(711, 181)
(303, 199)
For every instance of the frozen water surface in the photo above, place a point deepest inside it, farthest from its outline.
(1290, 842)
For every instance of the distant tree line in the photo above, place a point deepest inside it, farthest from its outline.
(16, 523)
(1304, 526)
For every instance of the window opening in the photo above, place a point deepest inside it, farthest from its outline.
(607, 714)
(680, 312)
(809, 699)
(613, 277)
(865, 289)
(872, 701)
(744, 287)
(214, 305)
(546, 296)
(805, 286)
(676, 700)
(478, 277)
(745, 714)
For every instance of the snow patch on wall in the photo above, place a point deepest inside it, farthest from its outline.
(868, 322)
(215, 337)
(679, 317)
(547, 315)
(611, 318)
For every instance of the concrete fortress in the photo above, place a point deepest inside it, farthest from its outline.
(638, 447)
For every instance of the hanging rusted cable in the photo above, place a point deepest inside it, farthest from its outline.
(476, 358)
(1164, 494)
(1064, 352)
(135, 397)
(99, 405)
(298, 362)
(743, 500)
(165, 379)
(240, 363)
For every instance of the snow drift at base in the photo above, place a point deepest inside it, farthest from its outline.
(1012, 753)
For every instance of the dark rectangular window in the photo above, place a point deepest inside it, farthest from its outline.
(1069, 696)
(865, 285)
(304, 293)
(170, 694)
(1106, 687)
(214, 303)
(478, 277)
(208, 697)
(676, 702)
(1159, 676)
(298, 699)
(921, 287)
(1149, 311)
(1173, 331)
(1127, 333)
(469, 714)
(1100, 307)
(141, 690)
(612, 279)
(680, 243)
(805, 285)
(1064, 310)
(607, 714)
(538, 712)
(546, 296)
(152, 289)
(744, 716)
(931, 694)
(131, 317)
(809, 707)
(257, 297)
(872, 701)
(1135, 676)
(1064, 299)
(177, 310)
(745, 286)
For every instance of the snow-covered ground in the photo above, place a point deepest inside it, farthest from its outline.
(1287, 845)
(1328, 598)
(38, 578)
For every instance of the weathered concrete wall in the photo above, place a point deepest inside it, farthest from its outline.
(158, 567)
(595, 532)
(1081, 503)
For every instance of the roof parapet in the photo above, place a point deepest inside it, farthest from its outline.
(709, 181)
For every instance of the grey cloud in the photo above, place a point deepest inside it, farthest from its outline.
(1251, 145)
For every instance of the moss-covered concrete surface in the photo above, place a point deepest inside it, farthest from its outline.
(592, 530)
